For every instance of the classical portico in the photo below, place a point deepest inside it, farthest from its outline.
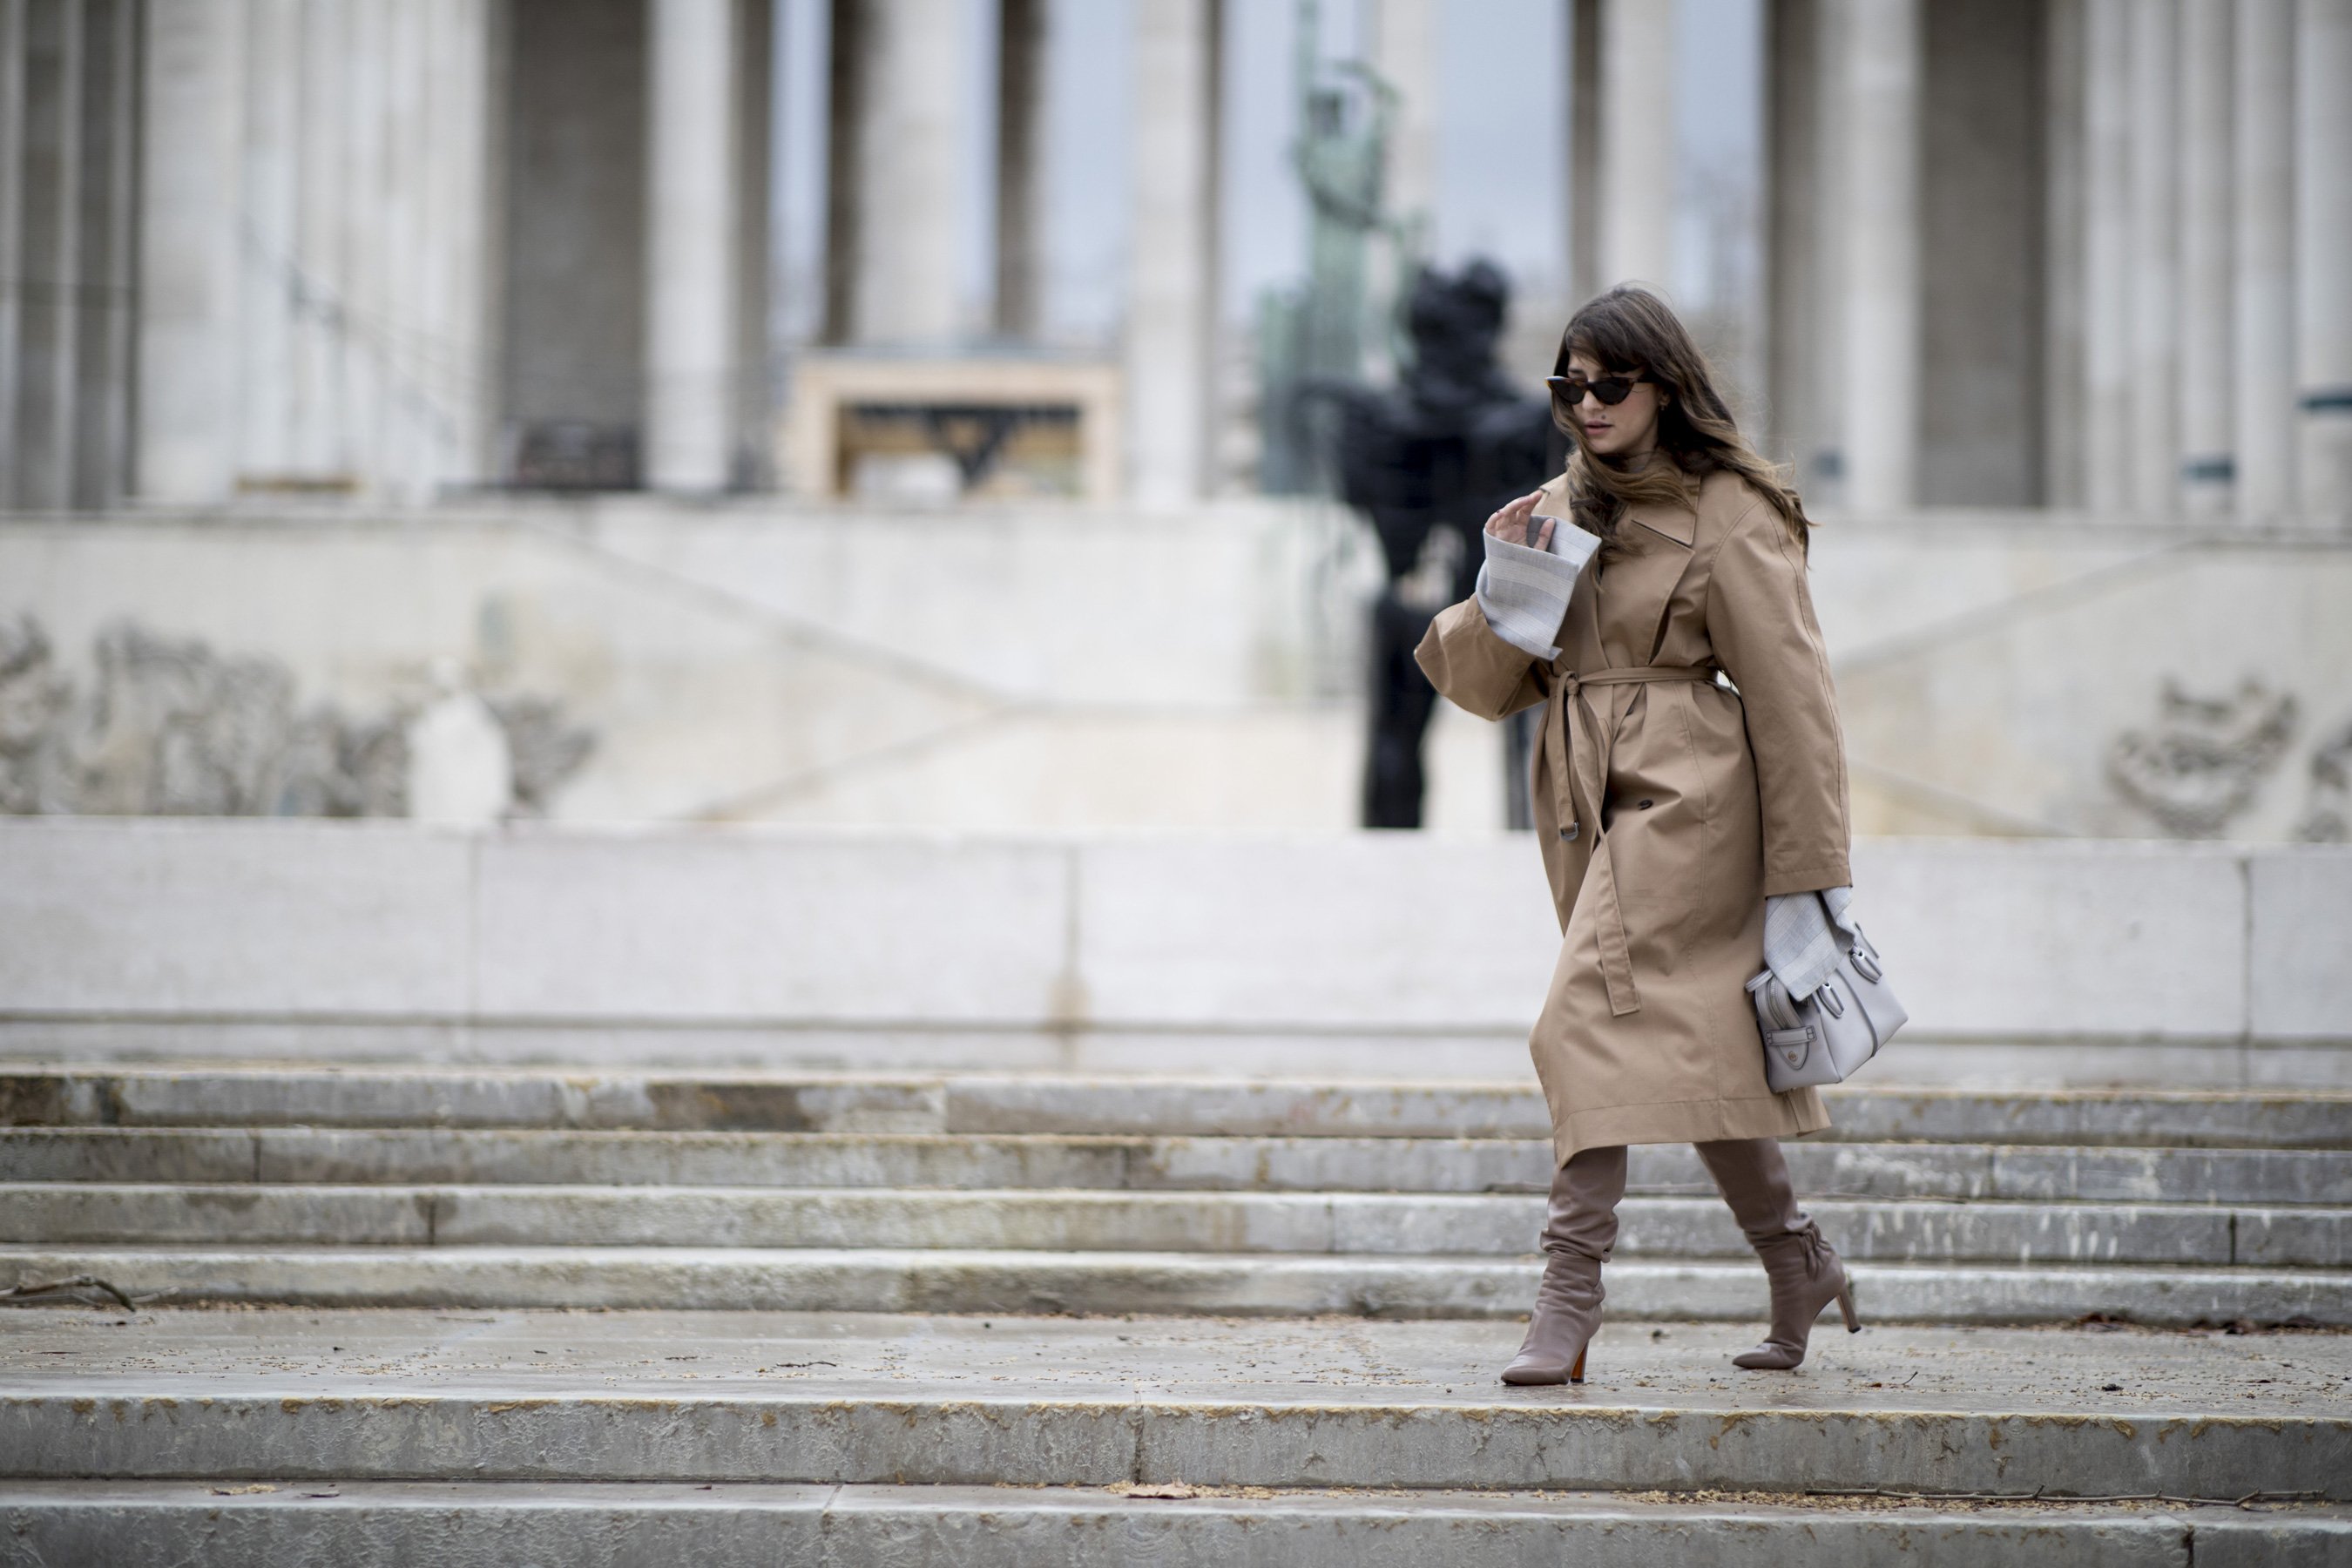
(2069, 253)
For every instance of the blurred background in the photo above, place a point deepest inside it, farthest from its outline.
(890, 412)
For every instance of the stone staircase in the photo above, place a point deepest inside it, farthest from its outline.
(834, 1318)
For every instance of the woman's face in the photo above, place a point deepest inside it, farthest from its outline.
(1627, 429)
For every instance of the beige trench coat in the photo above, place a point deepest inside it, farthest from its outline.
(1667, 810)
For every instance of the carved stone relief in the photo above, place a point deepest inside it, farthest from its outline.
(2328, 816)
(172, 729)
(2201, 761)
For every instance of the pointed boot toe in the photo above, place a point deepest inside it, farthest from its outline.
(1534, 1368)
(1806, 1276)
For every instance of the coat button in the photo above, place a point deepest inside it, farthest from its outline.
(1568, 834)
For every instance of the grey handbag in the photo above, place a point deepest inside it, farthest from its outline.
(1826, 1037)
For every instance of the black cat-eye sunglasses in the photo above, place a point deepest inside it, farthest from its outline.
(1569, 391)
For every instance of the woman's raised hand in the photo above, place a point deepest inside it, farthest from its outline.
(1516, 523)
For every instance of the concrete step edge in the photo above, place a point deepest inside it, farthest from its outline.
(1010, 1282)
(970, 1162)
(738, 1526)
(197, 1094)
(515, 1430)
(1224, 1223)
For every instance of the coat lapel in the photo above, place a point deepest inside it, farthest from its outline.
(1637, 587)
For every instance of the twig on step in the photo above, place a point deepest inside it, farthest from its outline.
(79, 1282)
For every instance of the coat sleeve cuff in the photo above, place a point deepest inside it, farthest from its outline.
(1814, 878)
(1524, 593)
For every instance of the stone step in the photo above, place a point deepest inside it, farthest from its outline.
(583, 1397)
(868, 1280)
(277, 1095)
(392, 1524)
(550, 1157)
(1906, 1231)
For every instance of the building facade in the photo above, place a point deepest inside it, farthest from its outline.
(2079, 253)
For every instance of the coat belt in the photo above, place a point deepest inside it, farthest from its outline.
(1579, 756)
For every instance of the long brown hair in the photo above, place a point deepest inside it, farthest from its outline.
(1631, 329)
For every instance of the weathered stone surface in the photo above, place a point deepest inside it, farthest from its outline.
(1110, 1105)
(549, 1156)
(1363, 1224)
(802, 1397)
(1251, 1285)
(364, 1525)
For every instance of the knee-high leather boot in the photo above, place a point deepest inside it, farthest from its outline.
(1804, 1270)
(1577, 1237)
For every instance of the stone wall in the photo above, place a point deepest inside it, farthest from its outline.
(1391, 955)
(1054, 666)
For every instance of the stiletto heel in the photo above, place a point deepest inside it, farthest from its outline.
(1576, 1373)
(1845, 1305)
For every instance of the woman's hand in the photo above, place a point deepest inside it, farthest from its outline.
(1516, 523)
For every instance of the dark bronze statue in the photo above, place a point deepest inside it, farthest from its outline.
(1428, 462)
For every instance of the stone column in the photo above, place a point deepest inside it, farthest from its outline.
(108, 266)
(1021, 55)
(373, 219)
(188, 250)
(49, 183)
(2323, 255)
(905, 237)
(1880, 275)
(1172, 302)
(318, 441)
(460, 258)
(2062, 293)
(2106, 280)
(1404, 45)
(1637, 143)
(12, 214)
(753, 459)
(690, 245)
(272, 270)
(2155, 118)
(1584, 151)
(2265, 258)
(1801, 341)
(2206, 170)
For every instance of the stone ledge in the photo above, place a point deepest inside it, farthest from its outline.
(1146, 945)
(364, 1523)
(1241, 1285)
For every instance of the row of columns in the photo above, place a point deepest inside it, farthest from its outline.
(315, 291)
(2195, 168)
(320, 274)
(897, 83)
(323, 215)
(2143, 309)
(2217, 336)
(68, 187)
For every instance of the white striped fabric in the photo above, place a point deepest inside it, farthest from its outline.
(1799, 946)
(1524, 593)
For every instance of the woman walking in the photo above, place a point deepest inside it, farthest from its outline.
(1669, 805)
